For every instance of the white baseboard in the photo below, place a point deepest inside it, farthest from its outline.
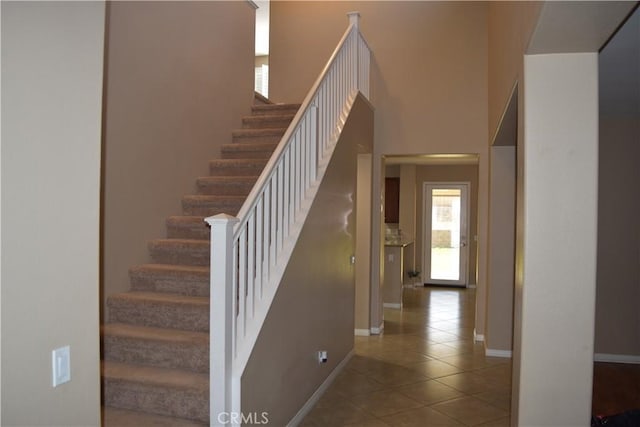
(378, 330)
(477, 337)
(497, 353)
(616, 358)
(361, 332)
(308, 406)
(392, 305)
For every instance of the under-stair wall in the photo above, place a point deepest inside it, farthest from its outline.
(314, 307)
(173, 94)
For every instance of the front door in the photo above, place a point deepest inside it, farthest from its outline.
(445, 245)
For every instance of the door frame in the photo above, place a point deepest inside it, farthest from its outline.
(426, 232)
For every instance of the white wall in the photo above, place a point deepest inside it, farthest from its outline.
(52, 60)
(560, 170)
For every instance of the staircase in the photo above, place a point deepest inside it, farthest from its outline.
(155, 368)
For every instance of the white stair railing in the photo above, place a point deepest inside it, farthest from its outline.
(249, 253)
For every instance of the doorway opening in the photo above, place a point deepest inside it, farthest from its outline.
(446, 225)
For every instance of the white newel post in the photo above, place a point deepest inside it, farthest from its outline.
(354, 19)
(221, 317)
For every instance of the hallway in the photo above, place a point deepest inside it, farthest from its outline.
(425, 370)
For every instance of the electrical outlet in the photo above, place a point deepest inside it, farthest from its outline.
(61, 365)
(322, 356)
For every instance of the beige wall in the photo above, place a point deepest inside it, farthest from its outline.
(452, 173)
(52, 60)
(510, 26)
(314, 307)
(428, 80)
(408, 216)
(363, 246)
(618, 286)
(179, 78)
(502, 227)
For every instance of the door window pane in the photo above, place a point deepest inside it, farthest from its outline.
(445, 234)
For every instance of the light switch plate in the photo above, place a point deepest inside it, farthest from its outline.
(61, 365)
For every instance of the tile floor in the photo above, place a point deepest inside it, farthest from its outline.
(425, 370)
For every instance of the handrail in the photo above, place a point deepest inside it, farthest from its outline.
(249, 253)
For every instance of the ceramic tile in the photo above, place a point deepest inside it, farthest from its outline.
(468, 382)
(434, 369)
(424, 370)
(430, 392)
(339, 414)
(470, 411)
(420, 417)
(383, 403)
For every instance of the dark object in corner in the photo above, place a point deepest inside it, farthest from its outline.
(625, 419)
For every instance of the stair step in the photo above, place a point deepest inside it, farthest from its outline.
(197, 205)
(236, 167)
(258, 110)
(169, 392)
(180, 251)
(187, 227)
(226, 185)
(176, 279)
(160, 310)
(268, 121)
(248, 150)
(244, 136)
(164, 348)
(115, 417)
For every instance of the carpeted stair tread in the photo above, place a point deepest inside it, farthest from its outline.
(273, 108)
(169, 392)
(226, 185)
(252, 136)
(180, 251)
(187, 227)
(175, 378)
(248, 150)
(115, 417)
(236, 167)
(157, 309)
(156, 346)
(185, 280)
(160, 347)
(125, 330)
(259, 132)
(205, 205)
(268, 121)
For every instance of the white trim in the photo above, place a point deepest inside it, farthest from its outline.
(616, 358)
(477, 337)
(497, 353)
(378, 330)
(392, 305)
(308, 406)
(253, 4)
(471, 286)
(361, 332)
